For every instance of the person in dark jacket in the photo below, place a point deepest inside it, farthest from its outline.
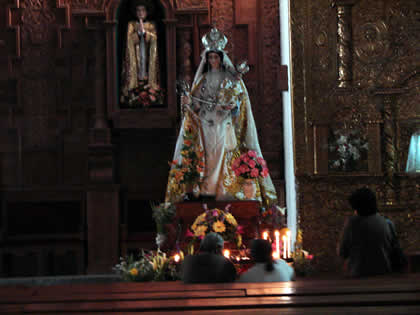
(209, 265)
(368, 238)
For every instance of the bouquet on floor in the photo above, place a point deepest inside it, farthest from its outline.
(249, 166)
(149, 266)
(218, 221)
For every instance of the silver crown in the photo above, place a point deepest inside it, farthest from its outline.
(214, 40)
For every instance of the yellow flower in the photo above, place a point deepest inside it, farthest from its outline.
(194, 226)
(229, 217)
(219, 226)
(134, 272)
(201, 218)
(200, 230)
(239, 240)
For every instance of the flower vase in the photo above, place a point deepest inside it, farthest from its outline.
(249, 188)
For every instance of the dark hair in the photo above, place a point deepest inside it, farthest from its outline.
(207, 64)
(148, 4)
(212, 243)
(363, 200)
(261, 252)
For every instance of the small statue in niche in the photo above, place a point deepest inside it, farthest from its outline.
(140, 66)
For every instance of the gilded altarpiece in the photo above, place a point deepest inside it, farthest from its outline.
(355, 83)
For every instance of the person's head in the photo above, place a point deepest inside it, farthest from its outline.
(363, 200)
(214, 60)
(141, 12)
(261, 252)
(212, 243)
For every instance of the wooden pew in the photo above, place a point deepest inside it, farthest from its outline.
(389, 294)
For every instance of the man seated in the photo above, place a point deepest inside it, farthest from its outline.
(265, 269)
(209, 265)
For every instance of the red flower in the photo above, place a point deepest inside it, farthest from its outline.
(254, 172)
(252, 153)
(252, 163)
(144, 98)
(189, 233)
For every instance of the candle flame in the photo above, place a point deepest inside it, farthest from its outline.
(265, 235)
(226, 253)
(177, 258)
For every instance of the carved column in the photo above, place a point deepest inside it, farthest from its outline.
(389, 146)
(389, 131)
(344, 49)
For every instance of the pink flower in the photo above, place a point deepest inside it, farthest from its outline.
(152, 98)
(246, 159)
(252, 153)
(237, 171)
(240, 229)
(310, 257)
(252, 163)
(215, 213)
(244, 169)
(255, 172)
(261, 161)
(264, 172)
(189, 233)
(236, 164)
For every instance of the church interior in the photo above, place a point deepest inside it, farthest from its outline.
(334, 90)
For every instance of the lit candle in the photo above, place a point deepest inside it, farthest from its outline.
(226, 253)
(284, 247)
(289, 255)
(277, 235)
(265, 235)
(177, 258)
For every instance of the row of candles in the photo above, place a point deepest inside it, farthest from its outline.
(286, 240)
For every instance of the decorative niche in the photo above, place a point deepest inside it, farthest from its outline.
(161, 114)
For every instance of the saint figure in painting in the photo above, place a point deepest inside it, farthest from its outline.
(217, 129)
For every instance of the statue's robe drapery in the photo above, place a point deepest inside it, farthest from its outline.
(141, 58)
(223, 135)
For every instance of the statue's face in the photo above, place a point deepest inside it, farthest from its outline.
(141, 12)
(214, 60)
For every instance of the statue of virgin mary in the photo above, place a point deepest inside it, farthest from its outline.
(217, 127)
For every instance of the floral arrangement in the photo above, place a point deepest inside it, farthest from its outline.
(248, 165)
(348, 146)
(274, 215)
(151, 265)
(163, 213)
(302, 260)
(144, 95)
(191, 167)
(302, 263)
(219, 221)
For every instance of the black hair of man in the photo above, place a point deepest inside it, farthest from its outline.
(363, 200)
(261, 252)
